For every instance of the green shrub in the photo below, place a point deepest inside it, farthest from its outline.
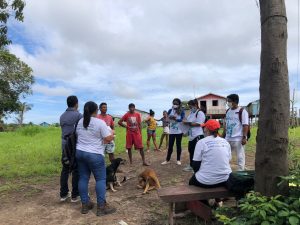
(258, 209)
(31, 130)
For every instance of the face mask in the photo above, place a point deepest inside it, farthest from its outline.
(229, 104)
(193, 110)
(175, 106)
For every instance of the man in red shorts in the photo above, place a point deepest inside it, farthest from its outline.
(134, 132)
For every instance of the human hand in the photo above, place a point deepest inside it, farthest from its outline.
(244, 141)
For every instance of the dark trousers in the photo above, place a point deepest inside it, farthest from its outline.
(195, 182)
(64, 177)
(191, 147)
(172, 138)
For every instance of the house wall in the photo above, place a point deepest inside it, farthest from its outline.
(254, 108)
(210, 109)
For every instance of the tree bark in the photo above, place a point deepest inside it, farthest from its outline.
(271, 159)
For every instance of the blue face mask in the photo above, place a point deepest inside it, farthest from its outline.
(193, 110)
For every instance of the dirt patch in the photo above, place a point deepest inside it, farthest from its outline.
(39, 204)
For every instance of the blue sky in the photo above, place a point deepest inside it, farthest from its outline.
(146, 52)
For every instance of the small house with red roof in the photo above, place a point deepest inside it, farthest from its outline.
(214, 105)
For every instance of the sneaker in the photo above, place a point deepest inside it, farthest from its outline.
(165, 162)
(105, 210)
(64, 198)
(86, 207)
(178, 163)
(188, 168)
(75, 199)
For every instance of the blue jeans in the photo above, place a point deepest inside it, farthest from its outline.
(95, 163)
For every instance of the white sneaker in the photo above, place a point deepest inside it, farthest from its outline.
(64, 198)
(178, 163)
(76, 199)
(165, 162)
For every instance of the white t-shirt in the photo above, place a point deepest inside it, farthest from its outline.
(175, 127)
(234, 127)
(91, 139)
(215, 155)
(198, 118)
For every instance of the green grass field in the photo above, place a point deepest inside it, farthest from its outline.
(36, 152)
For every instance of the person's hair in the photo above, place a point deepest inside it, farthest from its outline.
(193, 102)
(215, 133)
(165, 111)
(72, 101)
(89, 108)
(131, 105)
(177, 100)
(234, 98)
(152, 112)
(102, 104)
(179, 109)
(203, 109)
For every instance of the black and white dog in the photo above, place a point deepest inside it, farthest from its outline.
(111, 178)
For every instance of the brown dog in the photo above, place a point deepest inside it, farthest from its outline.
(148, 180)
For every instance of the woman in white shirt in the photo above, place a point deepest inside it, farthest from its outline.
(176, 115)
(92, 133)
(194, 121)
(211, 162)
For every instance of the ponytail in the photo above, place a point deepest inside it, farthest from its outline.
(89, 109)
(215, 133)
(196, 103)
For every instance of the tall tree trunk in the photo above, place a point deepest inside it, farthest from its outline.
(272, 137)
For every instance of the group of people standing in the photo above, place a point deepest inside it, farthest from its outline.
(209, 152)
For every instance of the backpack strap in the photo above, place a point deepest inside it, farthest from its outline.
(197, 113)
(240, 114)
(169, 111)
(76, 125)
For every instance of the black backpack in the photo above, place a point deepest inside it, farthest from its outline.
(241, 182)
(69, 151)
(240, 118)
(206, 117)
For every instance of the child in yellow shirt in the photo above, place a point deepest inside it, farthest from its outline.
(151, 131)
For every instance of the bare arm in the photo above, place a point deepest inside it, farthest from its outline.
(245, 131)
(108, 139)
(121, 123)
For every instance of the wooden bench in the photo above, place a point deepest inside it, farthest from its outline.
(191, 196)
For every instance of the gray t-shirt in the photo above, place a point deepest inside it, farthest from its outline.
(68, 120)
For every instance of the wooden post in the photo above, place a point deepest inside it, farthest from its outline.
(171, 213)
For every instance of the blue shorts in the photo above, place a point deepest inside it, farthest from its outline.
(151, 132)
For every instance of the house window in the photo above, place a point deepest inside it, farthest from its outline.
(215, 103)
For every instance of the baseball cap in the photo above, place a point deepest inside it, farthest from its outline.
(211, 125)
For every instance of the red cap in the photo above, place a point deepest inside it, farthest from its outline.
(211, 125)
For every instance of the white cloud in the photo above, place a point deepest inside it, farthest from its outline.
(126, 91)
(147, 51)
(51, 91)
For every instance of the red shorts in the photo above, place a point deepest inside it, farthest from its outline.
(134, 138)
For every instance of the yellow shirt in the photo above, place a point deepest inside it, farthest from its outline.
(151, 123)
